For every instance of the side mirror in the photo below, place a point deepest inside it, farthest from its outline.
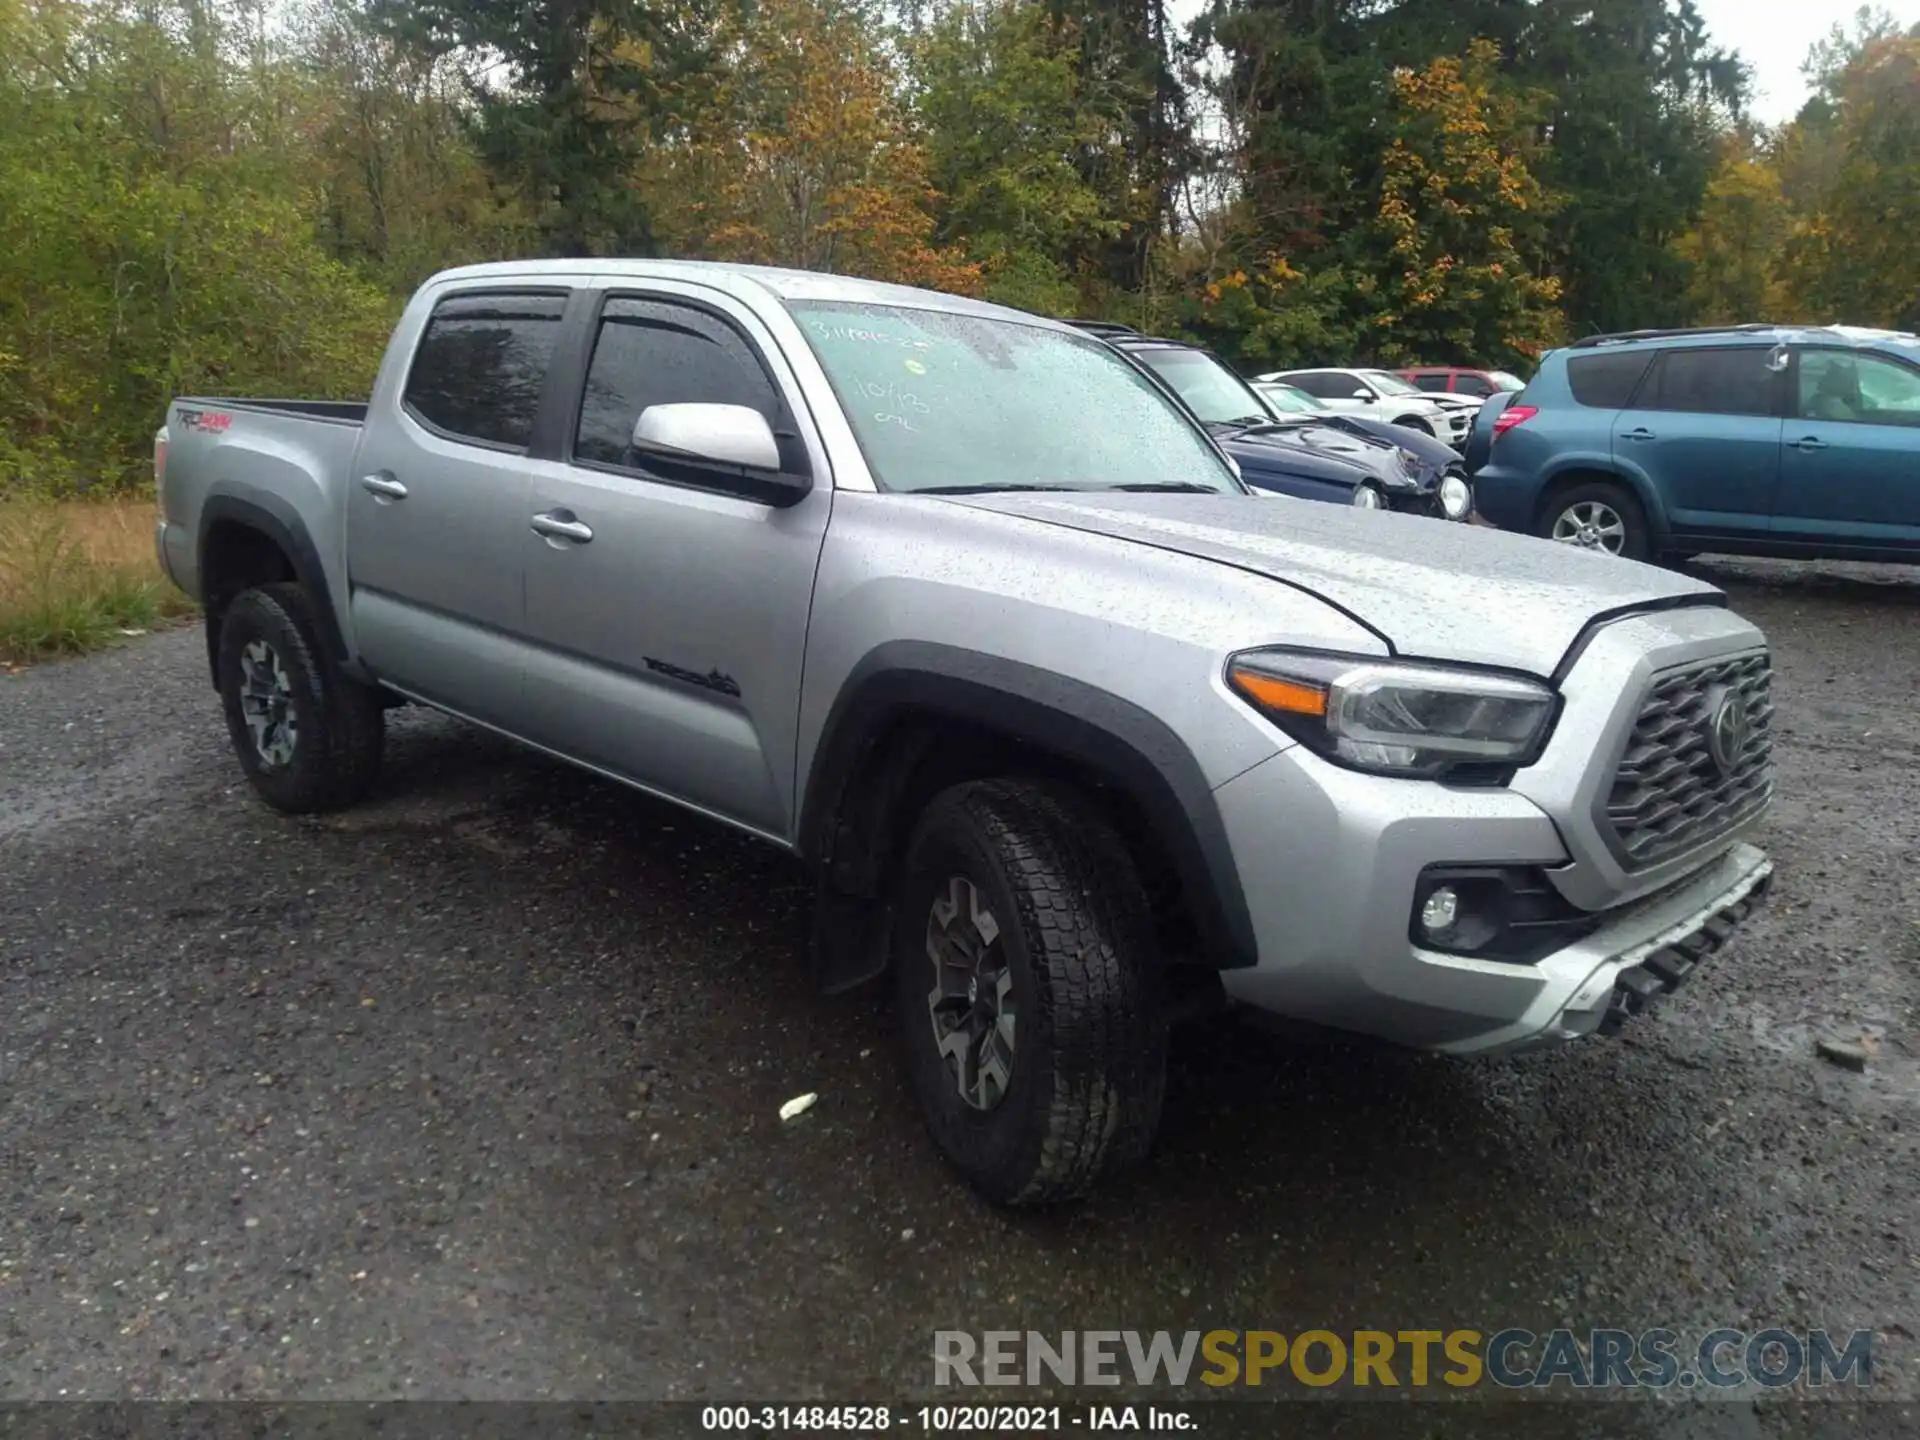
(1365, 396)
(726, 434)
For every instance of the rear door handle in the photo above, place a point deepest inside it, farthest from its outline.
(1639, 432)
(1808, 442)
(383, 486)
(561, 525)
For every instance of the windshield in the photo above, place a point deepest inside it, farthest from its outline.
(1502, 380)
(940, 401)
(1288, 400)
(1213, 392)
(1388, 384)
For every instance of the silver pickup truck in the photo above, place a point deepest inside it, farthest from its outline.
(1074, 733)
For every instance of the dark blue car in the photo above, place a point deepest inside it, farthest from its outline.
(1752, 439)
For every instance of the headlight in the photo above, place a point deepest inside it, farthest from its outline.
(1394, 718)
(1456, 497)
(1368, 498)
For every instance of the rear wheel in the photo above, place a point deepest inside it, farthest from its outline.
(1598, 515)
(308, 737)
(1028, 991)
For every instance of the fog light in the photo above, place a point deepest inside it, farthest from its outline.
(1440, 911)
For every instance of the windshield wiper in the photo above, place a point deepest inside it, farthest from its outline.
(1168, 487)
(984, 489)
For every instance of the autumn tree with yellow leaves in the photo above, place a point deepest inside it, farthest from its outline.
(801, 156)
(1461, 213)
(1444, 258)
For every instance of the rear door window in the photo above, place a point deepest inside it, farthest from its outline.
(1711, 382)
(1605, 380)
(481, 364)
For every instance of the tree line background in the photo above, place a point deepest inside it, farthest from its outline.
(232, 196)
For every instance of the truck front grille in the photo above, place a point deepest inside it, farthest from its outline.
(1699, 760)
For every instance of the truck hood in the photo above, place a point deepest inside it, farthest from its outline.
(1433, 591)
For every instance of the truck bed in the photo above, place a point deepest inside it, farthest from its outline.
(293, 457)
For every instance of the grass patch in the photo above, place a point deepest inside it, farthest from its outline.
(74, 574)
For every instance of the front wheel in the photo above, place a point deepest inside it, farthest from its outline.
(308, 737)
(1414, 422)
(1598, 516)
(1028, 991)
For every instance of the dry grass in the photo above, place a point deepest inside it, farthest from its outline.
(75, 574)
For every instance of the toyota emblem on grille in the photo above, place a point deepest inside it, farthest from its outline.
(1726, 728)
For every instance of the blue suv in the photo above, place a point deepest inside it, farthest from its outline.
(1751, 439)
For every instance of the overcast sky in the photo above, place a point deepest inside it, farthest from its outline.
(1772, 35)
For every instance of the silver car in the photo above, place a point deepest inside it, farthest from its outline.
(1382, 395)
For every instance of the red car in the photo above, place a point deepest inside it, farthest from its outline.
(1450, 380)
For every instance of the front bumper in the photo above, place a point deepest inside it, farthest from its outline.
(1330, 861)
(1645, 951)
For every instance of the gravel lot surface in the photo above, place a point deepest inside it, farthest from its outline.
(471, 1092)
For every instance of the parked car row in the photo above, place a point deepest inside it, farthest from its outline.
(1286, 442)
(1385, 395)
(1452, 380)
(1653, 444)
(1749, 439)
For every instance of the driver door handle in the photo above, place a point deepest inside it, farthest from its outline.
(1808, 442)
(560, 525)
(1639, 432)
(384, 486)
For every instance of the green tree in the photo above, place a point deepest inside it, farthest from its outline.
(398, 189)
(1855, 257)
(800, 155)
(1000, 96)
(154, 239)
(1632, 100)
(1733, 252)
(567, 94)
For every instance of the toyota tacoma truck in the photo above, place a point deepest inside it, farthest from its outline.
(1074, 734)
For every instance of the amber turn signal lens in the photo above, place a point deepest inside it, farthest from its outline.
(1272, 693)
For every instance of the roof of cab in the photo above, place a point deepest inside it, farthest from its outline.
(743, 280)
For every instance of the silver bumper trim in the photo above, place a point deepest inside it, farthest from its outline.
(1649, 948)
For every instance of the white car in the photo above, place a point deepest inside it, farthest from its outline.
(1385, 397)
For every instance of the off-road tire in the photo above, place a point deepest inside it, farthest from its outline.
(1637, 542)
(1089, 1069)
(339, 723)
